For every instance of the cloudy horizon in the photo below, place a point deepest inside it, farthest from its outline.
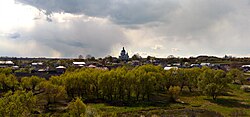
(184, 28)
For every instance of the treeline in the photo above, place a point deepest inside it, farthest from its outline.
(140, 83)
(36, 95)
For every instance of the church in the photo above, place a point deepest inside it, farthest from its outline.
(124, 55)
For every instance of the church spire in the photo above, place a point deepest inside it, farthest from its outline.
(124, 55)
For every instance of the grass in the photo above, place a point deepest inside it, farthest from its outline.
(236, 102)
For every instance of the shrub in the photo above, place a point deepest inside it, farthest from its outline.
(174, 92)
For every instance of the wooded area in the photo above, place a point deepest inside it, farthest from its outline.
(123, 86)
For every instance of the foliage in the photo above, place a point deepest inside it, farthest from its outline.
(31, 83)
(19, 103)
(236, 75)
(213, 82)
(77, 108)
(51, 93)
(122, 85)
(174, 92)
(6, 71)
(8, 82)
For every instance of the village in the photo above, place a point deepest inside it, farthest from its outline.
(47, 67)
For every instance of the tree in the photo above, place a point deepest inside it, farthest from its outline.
(51, 93)
(181, 76)
(30, 83)
(88, 56)
(80, 57)
(213, 82)
(136, 57)
(8, 83)
(192, 78)
(174, 92)
(6, 71)
(77, 108)
(18, 104)
(236, 75)
(170, 78)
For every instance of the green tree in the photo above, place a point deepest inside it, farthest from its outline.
(236, 75)
(174, 92)
(18, 104)
(77, 108)
(8, 83)
(51, 93)
(6, 71)
(213, 82)
(192, 78)
(30, 83)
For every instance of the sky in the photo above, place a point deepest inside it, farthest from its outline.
(69, 28)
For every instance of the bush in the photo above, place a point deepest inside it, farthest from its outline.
(174, 92)
(77, 108)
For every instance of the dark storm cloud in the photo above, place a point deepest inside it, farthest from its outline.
(127, 12)
(193, 26)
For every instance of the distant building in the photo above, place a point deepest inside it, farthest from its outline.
(4, 64)
(37, 64)
(60, 69)
(124, 55)
(246, 68)
(168, 68)
(205, 64)
(195, 65)
(79, 64)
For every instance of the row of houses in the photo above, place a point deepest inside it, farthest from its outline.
(225, 67)
(4, 64)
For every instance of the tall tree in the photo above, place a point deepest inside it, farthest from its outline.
(213, 82)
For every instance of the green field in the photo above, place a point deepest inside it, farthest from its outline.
(236, 103)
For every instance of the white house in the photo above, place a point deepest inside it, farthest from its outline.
(168, 68)
(79, 64)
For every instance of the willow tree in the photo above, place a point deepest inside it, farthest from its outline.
(213, 82)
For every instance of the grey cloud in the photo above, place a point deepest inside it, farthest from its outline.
(123, 12)
(194, 26)
(75, 36)
(14, 35)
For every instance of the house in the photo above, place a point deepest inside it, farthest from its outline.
(176, 64)
(135, 63)
(37, 64)
(92, 66)
(195, 65)
(60, 69)
(168, 68)
(246, 68)
(4, 64)
(79, 64)
(205, 64)
(15, 67)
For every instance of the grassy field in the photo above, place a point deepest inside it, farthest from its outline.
(235, 103)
